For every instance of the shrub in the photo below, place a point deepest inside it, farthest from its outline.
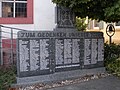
(7, 77)
(80, 24)
(114, 67)
(112, 58)
(111, 51)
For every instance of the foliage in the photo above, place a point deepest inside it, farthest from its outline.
(7, 77)
(106, 10)
(112, 58)
(114, 67)
(80, 24)
(111, 51)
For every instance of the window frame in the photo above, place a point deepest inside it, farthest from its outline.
(20, 20)
(117, 27)
(94, 24)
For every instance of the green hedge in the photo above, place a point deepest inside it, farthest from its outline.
(7, 77)
(111, 51)
(114, 67)
(112, 58)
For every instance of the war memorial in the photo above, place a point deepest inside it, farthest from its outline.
(59, 54)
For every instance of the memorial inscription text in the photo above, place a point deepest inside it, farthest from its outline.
(51, 51)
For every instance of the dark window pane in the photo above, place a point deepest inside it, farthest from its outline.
(9, 0)
(21, 0)
(7, 9)
(118, 23)
(96, 23)
(21, 10)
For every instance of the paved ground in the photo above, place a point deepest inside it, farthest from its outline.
(107, 83)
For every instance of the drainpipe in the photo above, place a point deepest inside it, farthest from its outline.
(1, 52)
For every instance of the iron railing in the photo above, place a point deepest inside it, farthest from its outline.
(8, 36)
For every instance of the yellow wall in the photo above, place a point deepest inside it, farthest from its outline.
(115, 38)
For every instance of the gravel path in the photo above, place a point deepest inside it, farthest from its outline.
(72, 84)
(106, 83)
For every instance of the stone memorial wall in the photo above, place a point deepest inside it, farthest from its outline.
(45, 52)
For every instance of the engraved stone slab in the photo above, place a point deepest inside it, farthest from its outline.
(76, 50)
(94, 50)
(34, 55)
(59, 51)
(45, 52)
(100, 50)
(94, 54)
(24, 55)
(87, 52)
(65, 18)
(67, 53)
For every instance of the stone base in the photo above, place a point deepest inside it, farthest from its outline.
(58, 76)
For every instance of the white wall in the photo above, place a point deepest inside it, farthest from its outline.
(44, 17)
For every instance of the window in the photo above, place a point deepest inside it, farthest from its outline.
(96, 23)
(16, 12)
(14, 8)
(117, 24)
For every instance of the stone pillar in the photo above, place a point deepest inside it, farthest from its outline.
(65, 17)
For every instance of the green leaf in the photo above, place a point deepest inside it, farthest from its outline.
(105, 10)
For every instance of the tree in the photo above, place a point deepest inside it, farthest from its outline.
(106, 10)
(81, 24)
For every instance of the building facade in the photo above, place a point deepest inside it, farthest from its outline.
(28, 14)
(101, 26)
